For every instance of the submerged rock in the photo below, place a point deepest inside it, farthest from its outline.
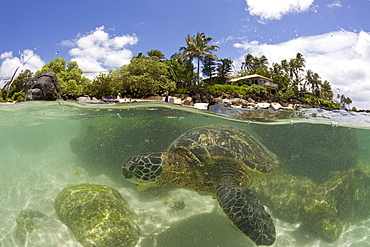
(97, 215)
(284, 194)
(25, 224)
(336, 204)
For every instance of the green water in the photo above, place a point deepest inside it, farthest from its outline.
(46, 146)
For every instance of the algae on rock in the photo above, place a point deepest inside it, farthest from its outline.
(25, 224)
(284, 194)
(97, 215)
(336, 204)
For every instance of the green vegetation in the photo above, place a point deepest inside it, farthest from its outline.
(97, 215)
(197, 47)
(243, 90)
(143, 77)
(15, 90)
(152, 74)
(69, 76)
(336, 204)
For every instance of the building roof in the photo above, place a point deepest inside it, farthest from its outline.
(251, 77)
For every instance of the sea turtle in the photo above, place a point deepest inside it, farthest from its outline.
(218, 159)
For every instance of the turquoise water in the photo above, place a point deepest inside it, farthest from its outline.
(46, 146)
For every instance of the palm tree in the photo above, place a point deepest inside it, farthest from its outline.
(314, 80)
(248, 62)
(326, 91)
(156, 55)
(197, 47)
(263, 61)
(285, 66)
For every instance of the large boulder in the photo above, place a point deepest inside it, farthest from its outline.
(44, 86)
(97, 215)
(284, 194)
(336, 204)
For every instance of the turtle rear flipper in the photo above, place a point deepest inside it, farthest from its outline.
(246, 213)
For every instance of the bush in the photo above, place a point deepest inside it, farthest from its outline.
(320, 102)
(186, 89)
(290, 93)
(214, 89)
(255, 89)
(18, 96)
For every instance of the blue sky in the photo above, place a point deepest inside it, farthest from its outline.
(333, 35)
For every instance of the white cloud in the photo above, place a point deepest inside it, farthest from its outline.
(336, 3)
(98, 50)
(341, 57)
(26, 60)
(276, 9)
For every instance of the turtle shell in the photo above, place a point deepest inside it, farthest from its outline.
(226, 141)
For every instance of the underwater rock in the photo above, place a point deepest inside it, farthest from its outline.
(97, 215)
(311, 150)
(45, 86)
(284, 194)
(336, 204)
(25, 224)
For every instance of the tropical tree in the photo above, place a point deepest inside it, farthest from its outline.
(18, 85)
(326, 91)
(102, 86)
(156, 55)
(143, 77)
(69, 75)
(209, 67)
(261, 62)
(248, 62)
(180, 71)
(251, 64)
(197, 47)
(224, 68)
(295, 69)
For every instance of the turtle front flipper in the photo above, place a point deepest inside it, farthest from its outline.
(246, 213)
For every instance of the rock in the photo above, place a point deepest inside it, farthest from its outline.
(336, 204)
(284, 194)
(186, 102)
(97, 215)
(25, 224)
(276, 106)
(262, 105)
(44, 86)
(250, 100)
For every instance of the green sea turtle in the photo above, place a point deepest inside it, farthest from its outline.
(218, 159)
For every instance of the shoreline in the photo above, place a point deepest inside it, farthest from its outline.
(235, 103)
(226, 103)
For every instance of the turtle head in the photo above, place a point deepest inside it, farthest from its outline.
(143, 169)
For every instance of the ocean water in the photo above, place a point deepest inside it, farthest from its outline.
(46, 146)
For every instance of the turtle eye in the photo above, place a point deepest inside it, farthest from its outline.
(132, 167)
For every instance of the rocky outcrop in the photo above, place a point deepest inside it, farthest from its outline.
(97, 215)
(44, 86)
